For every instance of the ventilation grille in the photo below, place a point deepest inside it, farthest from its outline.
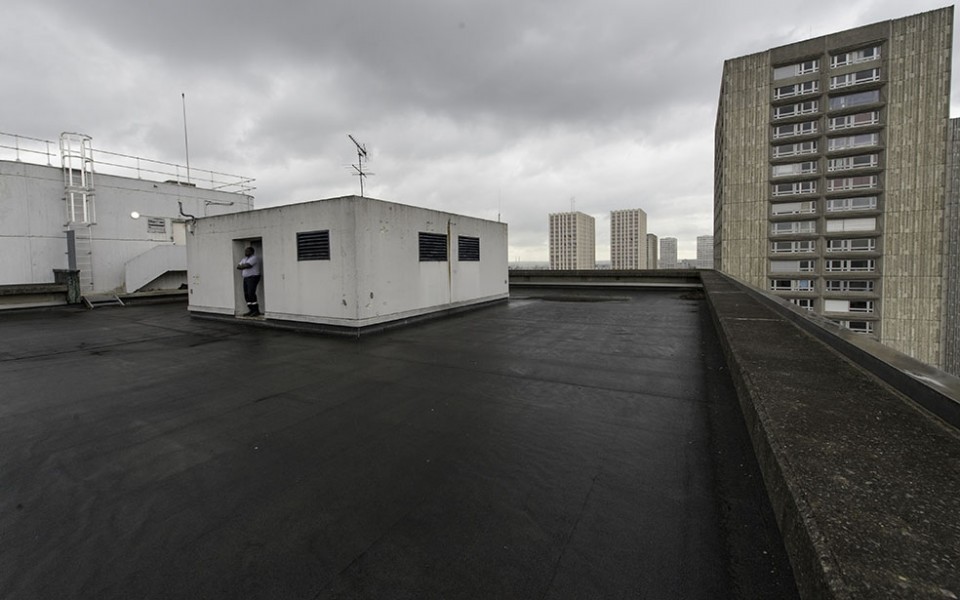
(468, 249)
(433, 247)
(313, 245)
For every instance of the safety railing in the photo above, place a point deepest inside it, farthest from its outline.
(32, 150)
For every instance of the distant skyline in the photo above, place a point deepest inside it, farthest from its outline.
(499, 109)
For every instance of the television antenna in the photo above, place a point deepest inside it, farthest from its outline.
(361, 154)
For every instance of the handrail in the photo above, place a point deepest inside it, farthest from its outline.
(29, 149)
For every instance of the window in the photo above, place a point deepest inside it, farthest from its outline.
(858, 120)
(840, 81)
(468, 249)
(851, 225)
(791, 247)
(806, 303)
(859, 264)
(810, 66)
(789, 227)
(792, 266)
(857, 326)
(796, 89)
(433, 247)
(795, 149)
(792, 110)
(863, 161)
(854, 141)
(857, 245)
(802, 168)
(805, 128)
(313, 245)
(791, 285)
(860, 306)
(852, 183)
(855, 56)
(849, 204)
(848, 100)
(797, 187)
(793, 208)
(845, 285)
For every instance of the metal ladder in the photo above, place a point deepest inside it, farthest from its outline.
(76, 157)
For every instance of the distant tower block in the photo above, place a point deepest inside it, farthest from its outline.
(572, 241)
(668, 253)
(628, 239)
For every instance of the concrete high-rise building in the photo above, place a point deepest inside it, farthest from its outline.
(704, 251)
(668, 253)
(572, 241)
(830, 178)
(628, 239)
(651, 251)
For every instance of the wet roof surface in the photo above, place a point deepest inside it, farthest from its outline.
(560, 445)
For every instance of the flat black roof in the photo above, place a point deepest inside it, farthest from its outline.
(565, 444)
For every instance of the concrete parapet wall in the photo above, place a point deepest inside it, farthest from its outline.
(605, 278)
(32, 295)
(865, 484)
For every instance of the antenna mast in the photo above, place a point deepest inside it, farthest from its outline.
(361, 154)
(186, 143)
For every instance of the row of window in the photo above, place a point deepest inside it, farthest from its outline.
(834, 103)
(848, 79)
(836, 61)
(857, 326)
(870, 117)
(837, 82)
(315, 245)
(837, 306)
(844, 163)
(796, 188)
(864, 265)
(795, 129)
(830, 285)
(846, 142)
(833, 226)
(809, 246)
(789, 169)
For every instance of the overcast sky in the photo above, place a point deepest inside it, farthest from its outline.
(518, 108)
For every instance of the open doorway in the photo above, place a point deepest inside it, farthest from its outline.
(241, 303)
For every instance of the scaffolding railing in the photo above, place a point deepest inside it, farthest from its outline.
(32, 150)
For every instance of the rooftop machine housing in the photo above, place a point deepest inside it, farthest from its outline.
(348, 263)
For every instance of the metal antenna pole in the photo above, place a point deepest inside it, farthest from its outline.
(361, 154)
(360, 162)
(186, 143)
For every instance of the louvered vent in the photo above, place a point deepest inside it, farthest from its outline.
(313, 245)
(433, 247)
(468, 248)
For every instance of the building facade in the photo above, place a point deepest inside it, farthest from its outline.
(830, 177)
(704, 251)
(572, 241)
(652, 253)
(628, 239)
(332, 263)
(668, 253)
(123, 227)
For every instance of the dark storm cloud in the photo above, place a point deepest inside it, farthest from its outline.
(509, 107)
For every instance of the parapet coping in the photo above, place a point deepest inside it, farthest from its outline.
(865, 484)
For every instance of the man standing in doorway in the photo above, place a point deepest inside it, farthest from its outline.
(250, 268)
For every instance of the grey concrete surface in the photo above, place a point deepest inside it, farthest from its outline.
(562, 445)
(865, 483)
